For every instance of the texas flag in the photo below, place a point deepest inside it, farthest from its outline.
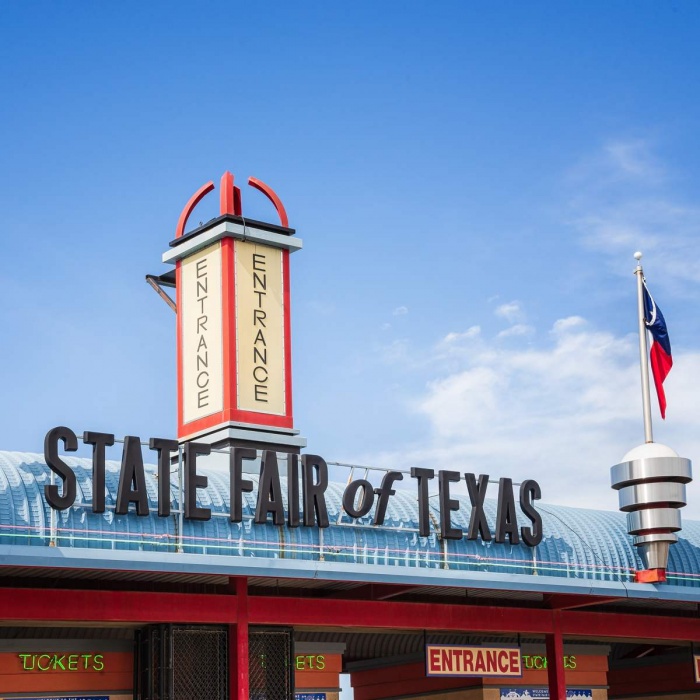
(660, 355)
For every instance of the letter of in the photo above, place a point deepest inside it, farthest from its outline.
(58, 466)
(202, 343)
(132, 474)
(24, 658)
(260, 262)
(73, 662)
(202, 323)
(260, 393)
(478, 524)
(423, 476)
(265, 377)
(260, 356)
(300, 663)
(269, 491)
(165, 449)
(503, 661)
(259, 315)
(237, 483)
(491, 665)
(320, 662)
(86, 658)
(447, 505)
(98, 662)
(205, 383)
(366, 500)
(99, 442)
(38, 662)
(260, 298)
(203, 286)
(469, 661)
(201, 267)
(293, 490)
(202, 398)
(479, 666)
(384, 491)
(259, 338)
(259, 280)
(313, 492)
(506, 518)
(530, 491)
(514, 663)
(434, 659)
(446, 659)
(194, 481)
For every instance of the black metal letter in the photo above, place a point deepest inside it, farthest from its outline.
(530, 491)
(478, 525)
(237, 483)
(447, 505)
(423, 476)
(58, 466)
(293, 490)
(194, 481)
(506, 517)
(313, 492)
(165, 449)
(98, 441)
(269, 491)
(366, 502)
(132, 474)
(384, 491)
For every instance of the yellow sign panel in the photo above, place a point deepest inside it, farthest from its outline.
(259, 328)
(202, 335)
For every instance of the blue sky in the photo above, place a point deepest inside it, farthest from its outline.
(470, 180)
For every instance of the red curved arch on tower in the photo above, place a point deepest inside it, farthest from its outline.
(270, 194)
(193, 202)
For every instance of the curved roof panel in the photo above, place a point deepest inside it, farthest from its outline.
(580, 544)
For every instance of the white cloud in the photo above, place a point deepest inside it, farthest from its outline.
(518, 330)
(400, 311)
(621, 204)
(563, 414)
(512, 311)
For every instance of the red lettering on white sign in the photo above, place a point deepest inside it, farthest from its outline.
(495, 662)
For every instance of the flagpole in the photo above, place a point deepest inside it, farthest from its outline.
(643, 351)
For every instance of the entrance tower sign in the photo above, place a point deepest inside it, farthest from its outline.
(234, 324)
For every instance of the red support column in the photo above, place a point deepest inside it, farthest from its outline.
(238, 644)
(555, 661)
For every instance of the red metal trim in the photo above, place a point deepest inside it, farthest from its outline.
(287, 300)
(555, 666)
(226, 202)
(238, 645)
(58, 605)
(270, 194)
(26, 604)
(391, 615)
(228, 307)
(563, 601)
(648, 627)
(191, 204)
(178, 341)
(650, 576)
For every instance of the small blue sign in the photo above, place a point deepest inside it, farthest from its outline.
(310, 696)
(542, 694)
(65, 697)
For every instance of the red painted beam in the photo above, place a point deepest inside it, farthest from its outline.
(41, 605)
(630, 626)
(394, 615)
(371, 591)
(114, 606)
(562, 601)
